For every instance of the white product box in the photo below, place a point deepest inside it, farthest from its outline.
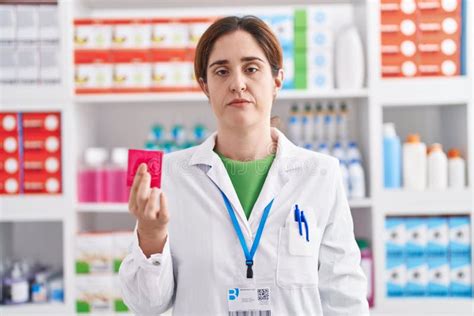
(94, 294)
(438, 236)
(27, 23)
(395, 236)
(395, 276)
(8, 69)
(321, 39)
(95, 75)
(94, 253)
(417, 236)
(459, 235)
(28, 65)
(132, 75)
(417, 276)
(172, 74)
(48, 23)
(92, 35)
(7, 23)
(439, 276)
(195, 32)
(50, 70)
(171, 35)
(132, 35)
(461, 278)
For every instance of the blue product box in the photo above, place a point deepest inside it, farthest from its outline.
(459, 236)
(395, 276)
(438, 237)
(289, 69)
(416, 229)
(461, 276)
(417, 276)
(395, 236)
(283, 26)
(438, 276)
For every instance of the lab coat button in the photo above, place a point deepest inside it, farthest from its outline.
(156, 262)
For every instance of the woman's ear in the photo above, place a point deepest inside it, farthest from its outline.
(204, 87)
(279, 80)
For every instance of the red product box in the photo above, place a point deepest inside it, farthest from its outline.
(152, 158)
(8, 123)
(42, 162)
(9, 145)
(39, 142)
(9, 184)
(41, 183)
(41, 122)
(439, 6)
(10, 166)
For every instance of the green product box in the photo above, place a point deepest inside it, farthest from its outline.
(301, 19)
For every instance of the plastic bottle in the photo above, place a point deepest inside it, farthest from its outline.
(349, 59)
(294, 125)
(56, 288)
(116, 177)
(353, 152)
(39, 288)
(91, 182)
(178, 134)
(414, 163)
(319, 123)
(341, 123)
(392, 157)
(345, 178)
(16, 287)
(456, 170)
(357, 179)
(339, 152)
(330, 124)
(367, 263)
(437, 168)
(323, 149)
(200, 133)
(307, 122)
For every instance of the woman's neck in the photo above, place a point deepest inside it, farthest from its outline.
(248, 145)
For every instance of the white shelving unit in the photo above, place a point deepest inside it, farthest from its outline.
(87, 121)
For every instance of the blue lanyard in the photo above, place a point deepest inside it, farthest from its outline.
(248, 255)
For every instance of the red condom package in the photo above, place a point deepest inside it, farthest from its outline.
(152, 158)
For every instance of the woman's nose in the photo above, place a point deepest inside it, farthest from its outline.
(238, 83)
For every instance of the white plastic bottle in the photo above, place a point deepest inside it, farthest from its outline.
(345, 178)
(307, 121)
(349, 59)
(330, 124)
(319, 123)
(294, 125)
(339, 152)
(323, 149)
(353, 152)
(456, 170)
(437, 168)
(414, 163)
(357, 179)
(341, 123)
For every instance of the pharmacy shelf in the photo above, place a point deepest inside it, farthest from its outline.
(43, 98)
(33, 208)
(360, 203)
(421, 91)
(430, 306)
(47, 309)
(401, 202)
(102, 208)
(200, 97)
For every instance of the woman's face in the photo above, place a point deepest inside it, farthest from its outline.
(240, 85)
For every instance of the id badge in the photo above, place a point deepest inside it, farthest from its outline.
(249, 301)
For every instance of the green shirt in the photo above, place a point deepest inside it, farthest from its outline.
(248, 178)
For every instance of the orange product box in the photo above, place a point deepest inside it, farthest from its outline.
(45, 122)
(391, 11)
(42, 162)
(132, 71)
(9, 145)
(9, 184)
(8, 122)
(92, 34)
(131, 33)
(437, 64)
(38, 142)
(93, 71)
(451, 7)
(439, 25)
(397, 65)
(41, 183)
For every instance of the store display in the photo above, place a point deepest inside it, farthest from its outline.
(30, 160)
(437, 163)
(392, 157)
(428, 256)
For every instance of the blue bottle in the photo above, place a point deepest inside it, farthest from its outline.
(392, 157)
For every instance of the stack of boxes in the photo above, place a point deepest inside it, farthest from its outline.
(29, 44)
(428, 256)
(421, 38)
(30, 155)
(300, 60)
(98, 259)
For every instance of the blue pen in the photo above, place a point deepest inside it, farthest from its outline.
(298, 219)
(303, 219)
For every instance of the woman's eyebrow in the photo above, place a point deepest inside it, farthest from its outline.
(244, 59)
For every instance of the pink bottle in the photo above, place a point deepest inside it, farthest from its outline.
(116, 177)
(367, 263)
(91, 178)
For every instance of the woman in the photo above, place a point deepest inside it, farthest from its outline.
(250, 222)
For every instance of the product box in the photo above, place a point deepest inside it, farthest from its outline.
(132, 71)
(439, 276)
(8, 62)
(92, 34)
(119, 304)
(28, 66)
(41, 183)
(417, 236)
(50, 71)
(40, 142)
(9, 145)
(460, 240)
(417, 276)
(289, 69)
(94, 294)
(172, 71)
(197, 27)
(283, 27)
(169, 33)
(395, 237)
(121, 247)
(93, 72)
(94, 253)
(461, 278)
(8, 17)
(438, 236)
(48, 23)
(132, 34)
(8, 123)
(9, 167)
(45, 122)
(395, 276)
(436, 7)
(27, 23)
(9, 184)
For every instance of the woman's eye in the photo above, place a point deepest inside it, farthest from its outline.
(221, 72)
(252, 69)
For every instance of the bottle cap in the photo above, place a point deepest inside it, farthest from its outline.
(413, 138)
(120, 156)
(435, 147)
(362, 243)
(95, 156)
(454, 153)
(389, 130)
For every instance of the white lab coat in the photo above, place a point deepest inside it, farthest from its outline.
(203, 258)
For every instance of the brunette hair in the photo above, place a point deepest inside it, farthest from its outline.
(259, 30)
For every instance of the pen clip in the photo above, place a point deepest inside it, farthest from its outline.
(306, 227)
(298, 214)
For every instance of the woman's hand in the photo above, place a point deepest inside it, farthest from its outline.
(149, 207)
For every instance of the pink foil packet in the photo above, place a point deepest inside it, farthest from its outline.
(152, 158)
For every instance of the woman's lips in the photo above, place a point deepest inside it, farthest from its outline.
(239, 103)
